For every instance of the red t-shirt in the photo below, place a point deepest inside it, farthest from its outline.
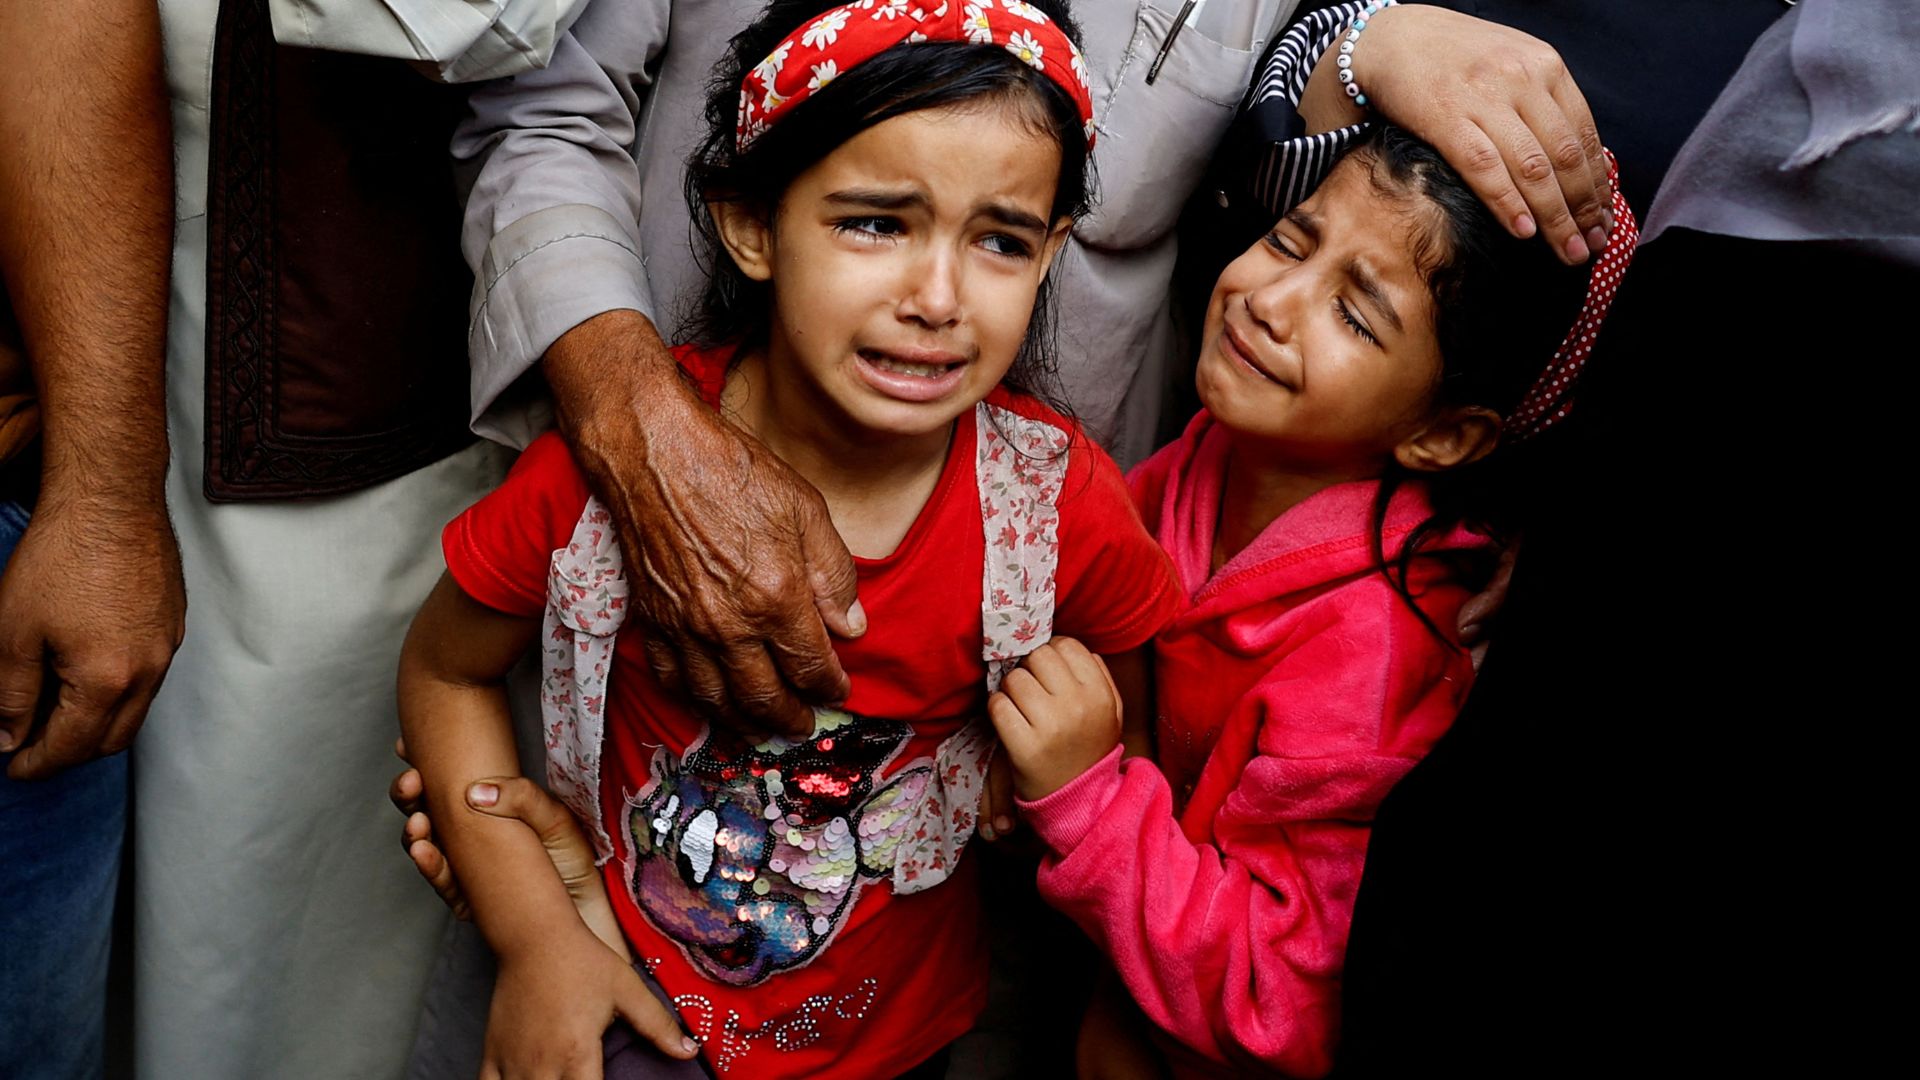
(774, 983)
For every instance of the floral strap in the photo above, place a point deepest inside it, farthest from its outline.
(586, 603)
(1020, 466)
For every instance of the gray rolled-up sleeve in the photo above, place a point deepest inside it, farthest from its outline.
(551, 229)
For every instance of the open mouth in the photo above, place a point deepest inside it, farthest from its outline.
(911, 377)
(902, 367)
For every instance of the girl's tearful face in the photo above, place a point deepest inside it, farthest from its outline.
(905, 264)
(1319, 340)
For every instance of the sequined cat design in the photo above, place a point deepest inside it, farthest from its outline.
(750, 855)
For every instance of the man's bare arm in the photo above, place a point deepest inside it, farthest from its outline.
(91, 605)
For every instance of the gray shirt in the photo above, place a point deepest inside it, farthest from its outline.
(576, 205)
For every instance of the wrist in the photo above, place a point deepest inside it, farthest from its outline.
(611, 368)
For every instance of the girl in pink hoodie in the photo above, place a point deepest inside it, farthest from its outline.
(1361, 364)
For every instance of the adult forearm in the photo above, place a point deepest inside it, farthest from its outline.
(86, 211)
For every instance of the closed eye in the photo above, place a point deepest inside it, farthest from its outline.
(1279, 245)
(1358, 327)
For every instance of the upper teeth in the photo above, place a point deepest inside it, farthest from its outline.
(924, 371)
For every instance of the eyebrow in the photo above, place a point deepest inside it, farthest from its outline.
(1362, 278)
(879, 199)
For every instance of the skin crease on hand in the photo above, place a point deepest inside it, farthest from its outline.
(738, 571)
(1498, 104)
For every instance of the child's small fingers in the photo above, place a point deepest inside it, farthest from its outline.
(1008, 721)
(652, 1020)
(434, 867)
(519, 797)
(1025, 692)
(418, 826)
(404, 793)
(1113, 689)
(1050, 667)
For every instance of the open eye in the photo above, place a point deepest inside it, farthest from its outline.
(872, 227)
(1003, 244)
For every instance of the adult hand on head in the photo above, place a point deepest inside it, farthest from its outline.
(1498, 104)
(731, 557)
(92, 608)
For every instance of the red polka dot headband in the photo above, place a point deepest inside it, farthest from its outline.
(1551, 396)
(830, 45)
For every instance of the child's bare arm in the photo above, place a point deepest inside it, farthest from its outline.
(559, 986)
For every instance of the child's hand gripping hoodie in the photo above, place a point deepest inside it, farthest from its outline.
(1297, 689)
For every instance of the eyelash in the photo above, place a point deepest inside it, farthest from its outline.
(1339, 306)
(864, 227)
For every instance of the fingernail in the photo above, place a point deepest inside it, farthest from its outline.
(6, 743)
(688, 1045)
(1606, 215)
(1597, 238)
(483, 794)
(987, 833)
(1524, 226)
(1576, 249)
(857, 618)
(1003, 823)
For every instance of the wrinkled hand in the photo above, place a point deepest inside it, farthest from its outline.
(1058, 714)
(731, 556)
(523, 800)
(553, 1004)
(92, 608)
(1499, 105)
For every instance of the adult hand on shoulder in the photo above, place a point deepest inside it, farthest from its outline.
(1498, 104)
(731, 556)
(92, 608)
(1057, 715)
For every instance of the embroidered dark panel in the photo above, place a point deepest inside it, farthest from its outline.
(336, 296)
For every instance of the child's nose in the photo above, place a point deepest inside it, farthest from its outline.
(933, 289)
(1275, 305)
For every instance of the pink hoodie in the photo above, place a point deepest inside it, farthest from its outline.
(1293, 694)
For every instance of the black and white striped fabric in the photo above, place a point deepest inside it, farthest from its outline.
(1294, 163)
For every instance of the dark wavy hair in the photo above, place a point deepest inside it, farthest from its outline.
(907, 78)
(1501, 307)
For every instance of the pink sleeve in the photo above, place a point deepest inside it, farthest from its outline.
(1236, 947)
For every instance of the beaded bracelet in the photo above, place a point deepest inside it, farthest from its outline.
(1345, 59)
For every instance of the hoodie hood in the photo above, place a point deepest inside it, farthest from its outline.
(1323, 540)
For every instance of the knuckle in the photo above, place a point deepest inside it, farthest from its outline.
(1569, 155)
(1480, 158)
(1543, 63)
(1534, 167)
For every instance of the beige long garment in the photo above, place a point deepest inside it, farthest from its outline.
(279, 932)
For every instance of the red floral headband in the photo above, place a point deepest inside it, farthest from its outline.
(1551, 396)
(837, 41)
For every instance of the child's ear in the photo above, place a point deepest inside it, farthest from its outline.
(1456, 436)
(747, 235)
(1056, 239)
